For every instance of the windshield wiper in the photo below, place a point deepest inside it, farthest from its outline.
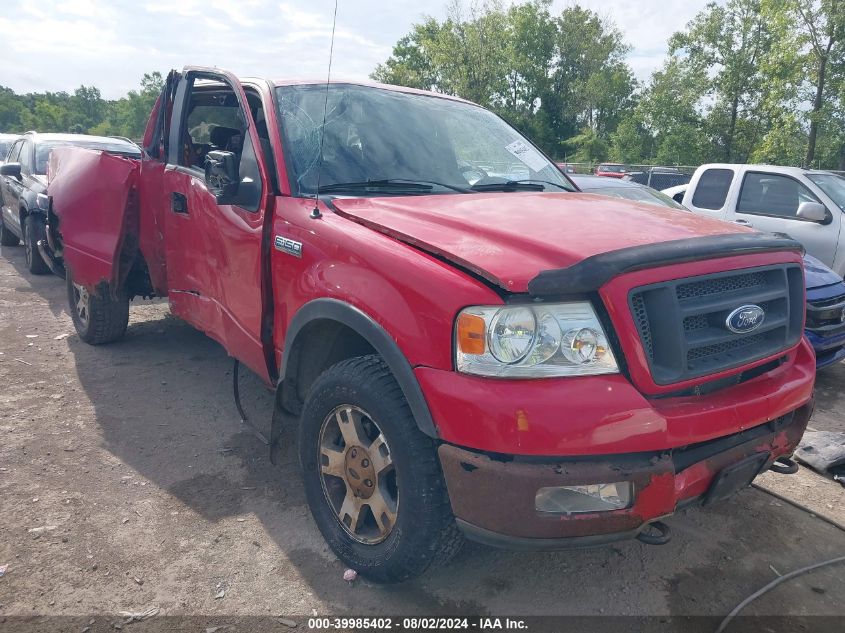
(547, 182)
(517, 185)
(389, 184)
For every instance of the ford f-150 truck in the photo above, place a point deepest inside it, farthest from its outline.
(471, 347)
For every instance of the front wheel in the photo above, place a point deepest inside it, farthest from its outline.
(372, 478)
(98, 318)
(34, 230)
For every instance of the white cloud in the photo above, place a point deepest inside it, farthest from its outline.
(294, 18)
(111, 44)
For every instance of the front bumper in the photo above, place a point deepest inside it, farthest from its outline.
(607, 415)
(829, 349)
(493, 496)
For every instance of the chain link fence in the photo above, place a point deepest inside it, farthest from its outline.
(655, 176)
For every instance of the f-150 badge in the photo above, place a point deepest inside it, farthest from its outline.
(288, 246)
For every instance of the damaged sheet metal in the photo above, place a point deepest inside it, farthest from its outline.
(94, 197)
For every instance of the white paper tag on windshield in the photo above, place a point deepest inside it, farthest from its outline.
(527, 155)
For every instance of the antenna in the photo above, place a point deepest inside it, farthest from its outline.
(315, 212)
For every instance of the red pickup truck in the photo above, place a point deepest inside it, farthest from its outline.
(471, 347)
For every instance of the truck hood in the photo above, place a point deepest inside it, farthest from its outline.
(817, 275)
(508, 238)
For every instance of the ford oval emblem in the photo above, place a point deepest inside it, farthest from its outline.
(745, 319)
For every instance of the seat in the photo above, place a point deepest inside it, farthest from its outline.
(223, 138)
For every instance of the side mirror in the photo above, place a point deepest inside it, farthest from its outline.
(11, 169)
(812, 211)
(221, 175)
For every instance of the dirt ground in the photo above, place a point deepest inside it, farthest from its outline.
(127, 482)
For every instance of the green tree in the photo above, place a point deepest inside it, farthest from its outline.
(588, 146)
(550, 76)
(630, 142)
(723, 46)
(83, 111)
(86, 108)
(668, 110)
(822, 27)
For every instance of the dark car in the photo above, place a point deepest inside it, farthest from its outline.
(623, 189)
(825, 327)
(23, 216)
(6, 141)
(659, 177)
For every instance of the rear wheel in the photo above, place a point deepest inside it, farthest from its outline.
(7, 238)
(98, 317)
(372, 478)
(34, 230)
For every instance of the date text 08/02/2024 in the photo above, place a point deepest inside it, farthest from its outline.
(418, 623)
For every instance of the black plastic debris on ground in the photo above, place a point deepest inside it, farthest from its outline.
(824, 452)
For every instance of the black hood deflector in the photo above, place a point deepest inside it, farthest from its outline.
(593, 272)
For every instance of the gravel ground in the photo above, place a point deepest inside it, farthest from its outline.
(127, 482)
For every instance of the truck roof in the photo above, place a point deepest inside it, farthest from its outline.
(359, 82)
(775, 169)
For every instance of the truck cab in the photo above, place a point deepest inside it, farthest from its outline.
(468, 346)
(805, 204)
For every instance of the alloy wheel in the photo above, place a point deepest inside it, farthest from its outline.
(358, 475)
(82, 301)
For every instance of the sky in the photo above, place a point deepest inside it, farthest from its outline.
(53, 45)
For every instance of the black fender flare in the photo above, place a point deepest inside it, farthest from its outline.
(377, 337)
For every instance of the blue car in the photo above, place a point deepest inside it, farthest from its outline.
(825, 326)
(825, 312)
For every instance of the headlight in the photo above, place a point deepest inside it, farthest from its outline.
(42, 202)
(532, 341)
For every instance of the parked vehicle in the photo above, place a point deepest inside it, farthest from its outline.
(6, 141)
(624, 189)
(825, 325)
(659, 177)
(677, 192)
(806, 204)
(24, 213)
(508, 360)
(611, 170)
(566, 168)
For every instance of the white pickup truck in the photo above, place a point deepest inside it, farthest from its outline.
(805, 204)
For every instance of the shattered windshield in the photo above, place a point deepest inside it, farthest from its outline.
(387, 138)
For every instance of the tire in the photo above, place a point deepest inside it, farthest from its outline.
(7, 238)
(98, 318)
(422, 530)
(34, 230)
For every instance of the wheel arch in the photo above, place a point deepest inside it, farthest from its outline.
(340, 318)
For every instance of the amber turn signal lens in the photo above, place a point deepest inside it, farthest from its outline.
(471, 334)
